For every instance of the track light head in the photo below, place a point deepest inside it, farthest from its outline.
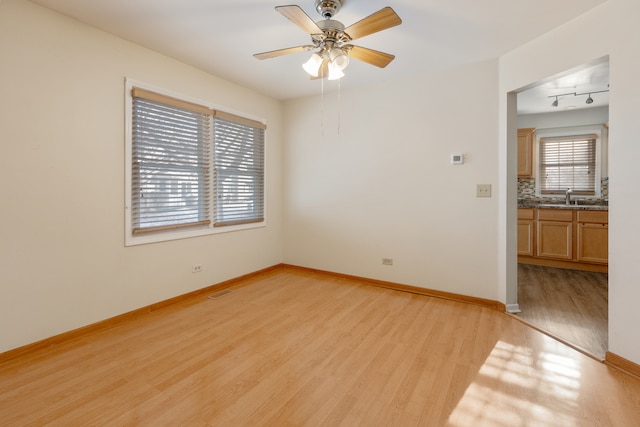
(589, 99)
(555, 103)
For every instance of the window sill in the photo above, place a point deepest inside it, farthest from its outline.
(178, 234)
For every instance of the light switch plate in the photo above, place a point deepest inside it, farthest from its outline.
(483, 190)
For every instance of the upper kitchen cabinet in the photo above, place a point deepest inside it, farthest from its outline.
(525, 152)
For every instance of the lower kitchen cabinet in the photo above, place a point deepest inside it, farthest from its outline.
(555, 234)
(526, 229)
(568, 238)
(593, 237)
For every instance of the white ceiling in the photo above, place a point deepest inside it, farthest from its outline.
(220, 36)
(573, 87)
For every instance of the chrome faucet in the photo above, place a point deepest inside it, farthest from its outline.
(567, 196)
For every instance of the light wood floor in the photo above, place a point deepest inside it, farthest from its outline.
(571, 304)
(294, 348)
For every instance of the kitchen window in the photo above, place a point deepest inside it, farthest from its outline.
(568, 162)
(191, 169)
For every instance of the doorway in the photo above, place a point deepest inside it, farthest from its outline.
(564, 300)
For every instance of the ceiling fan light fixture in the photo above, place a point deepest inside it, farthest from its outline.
(334, 72)
(312, 66)
(338, 58)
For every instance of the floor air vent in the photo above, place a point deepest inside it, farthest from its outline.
(220, 294)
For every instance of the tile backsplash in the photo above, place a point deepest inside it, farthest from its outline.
(527, 191)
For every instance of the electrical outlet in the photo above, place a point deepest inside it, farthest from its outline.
(387, 261)
(483, 190)
(197, 268)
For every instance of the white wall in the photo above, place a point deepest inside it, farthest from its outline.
(624, 175)
(615, 34)
(381, 185)
(63, 262)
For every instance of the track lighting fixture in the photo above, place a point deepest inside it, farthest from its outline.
(589, 100)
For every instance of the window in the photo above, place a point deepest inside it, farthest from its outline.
(239, 171)
(192, 169)
(170, 164)
(568, 162)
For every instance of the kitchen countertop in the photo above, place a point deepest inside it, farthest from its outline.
(537, 205)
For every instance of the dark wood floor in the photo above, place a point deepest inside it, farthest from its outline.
(571, 304)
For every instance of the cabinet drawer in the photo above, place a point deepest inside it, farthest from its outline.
(598, 217)
(555, 215)
(525, 213)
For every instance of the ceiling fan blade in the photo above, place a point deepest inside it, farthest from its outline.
(370, 56)
(381, 20)
(281, 52)
(296, 15)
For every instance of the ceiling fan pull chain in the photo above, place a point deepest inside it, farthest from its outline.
(339, 105)
(322, 107)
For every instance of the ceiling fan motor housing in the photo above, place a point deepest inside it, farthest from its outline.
(328, 8)
(332, 33)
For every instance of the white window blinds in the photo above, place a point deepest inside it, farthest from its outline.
(568, 162)
(238, 170)
(170, 163)
(192, 165)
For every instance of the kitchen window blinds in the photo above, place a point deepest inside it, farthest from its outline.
(568, 162)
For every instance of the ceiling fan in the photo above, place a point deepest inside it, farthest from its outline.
(332, 41)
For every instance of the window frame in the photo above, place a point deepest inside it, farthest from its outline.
(570, 132)
(207, 227)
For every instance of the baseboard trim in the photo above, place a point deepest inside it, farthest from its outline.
(557, 263)
(611, 359)
(119, 319)
(125, 317)
(495, 305)
(622, 364)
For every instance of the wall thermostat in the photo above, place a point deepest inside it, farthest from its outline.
(457, 159)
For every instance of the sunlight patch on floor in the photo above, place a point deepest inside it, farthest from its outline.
(530, 389)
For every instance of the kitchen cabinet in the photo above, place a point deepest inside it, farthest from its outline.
(526, 230)
(525, 152)
(554, 232)
(565, 238)
(593, 233)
